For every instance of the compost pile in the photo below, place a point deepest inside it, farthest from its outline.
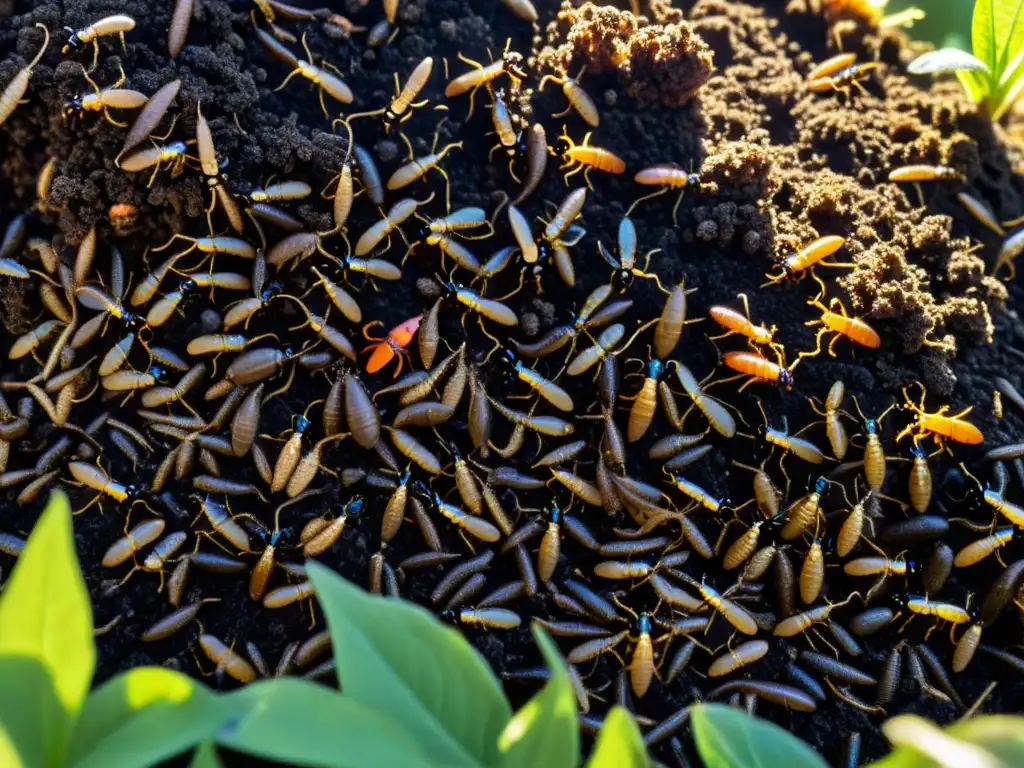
(539, 436)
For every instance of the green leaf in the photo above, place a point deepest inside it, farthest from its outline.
(619, 744)
(46, 619)
(145, 716)
(8, 752)
(975, 84)
(727, 737)
(396, 657)
(945, 60)
(988, 741)
(544, 731)
(297, 722)
(205, 756)
(997, 33)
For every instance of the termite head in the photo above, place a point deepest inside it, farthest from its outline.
(655, 368)
(301, 424)
(871, 426)
(73, 43)
(820, 485)
(270, 291)
(187, 287)
(556, 514)
(785, 379)
(562, 145)
(450, 614)
(72, 107)
(355, 505)
(158, 373)
(512, 63)
(643, 624)
(693, 179)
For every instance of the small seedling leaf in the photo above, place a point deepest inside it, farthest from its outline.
(144, 716)
(946, 60)
(544, 730)
(997, 34)
(987, 741)
(46, 639)
(619, 744)
(730, 738)
(396, 657)
(296, 722)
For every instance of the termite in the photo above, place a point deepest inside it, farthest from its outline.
(391, 221)
(713, 409)
(103, 101)
(666, 176)
(418, 167)
(844, 78)
(798, 446)
(625, 266)
(536, 161)
(223, 523)
(544, 387)
(484, 618)
(510, 63)
(978, 550)
(111, 25)
(738, 617)
(809, 256)
(799, 623)
(150, 115)
(96, 479)
(938, 425)
(736, 658)
(922, 606)
(982, 212)
(585, 157)
(177, 32)
(402, 105)
(766, 494)
(966, 647)
(839, 323)
(226, 658)
(757, 368)
(831, 413)
(474, 526)
(15, 90)
(172, 155)
(325, 81)
(578, 98)
(804, 511)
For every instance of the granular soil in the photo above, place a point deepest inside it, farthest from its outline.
(713, 85)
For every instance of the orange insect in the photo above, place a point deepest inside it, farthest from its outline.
(585, 157)
(839, 323)
(735, 322)
(941, 426)
(758, 368)
(386, 347)
(809, 256)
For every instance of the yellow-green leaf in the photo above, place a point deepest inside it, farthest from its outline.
(394, 656)
(975, 84)
(997, 33)
(8, 752)
(296, 722)
(145, 716)
(619, 744)
(46, 618)
(544, 731)
(727, 737)
(987, 741)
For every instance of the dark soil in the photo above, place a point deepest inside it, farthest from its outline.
(779, 166)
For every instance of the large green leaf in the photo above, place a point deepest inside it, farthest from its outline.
(45, 617)
(619, 744)
(727, 737)
(975, 84)
(997, 33)
(990, 741)
(297, 722)
(9, 755)
(144, 716)
(544, 731)
(395, 657)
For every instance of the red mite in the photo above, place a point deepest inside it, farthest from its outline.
(385, 348)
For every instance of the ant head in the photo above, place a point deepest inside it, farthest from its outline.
(513, 64)
(355, 505)
(301, 424)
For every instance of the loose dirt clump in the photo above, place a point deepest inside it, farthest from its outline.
(655, 62)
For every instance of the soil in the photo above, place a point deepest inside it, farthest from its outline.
(779, 166)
